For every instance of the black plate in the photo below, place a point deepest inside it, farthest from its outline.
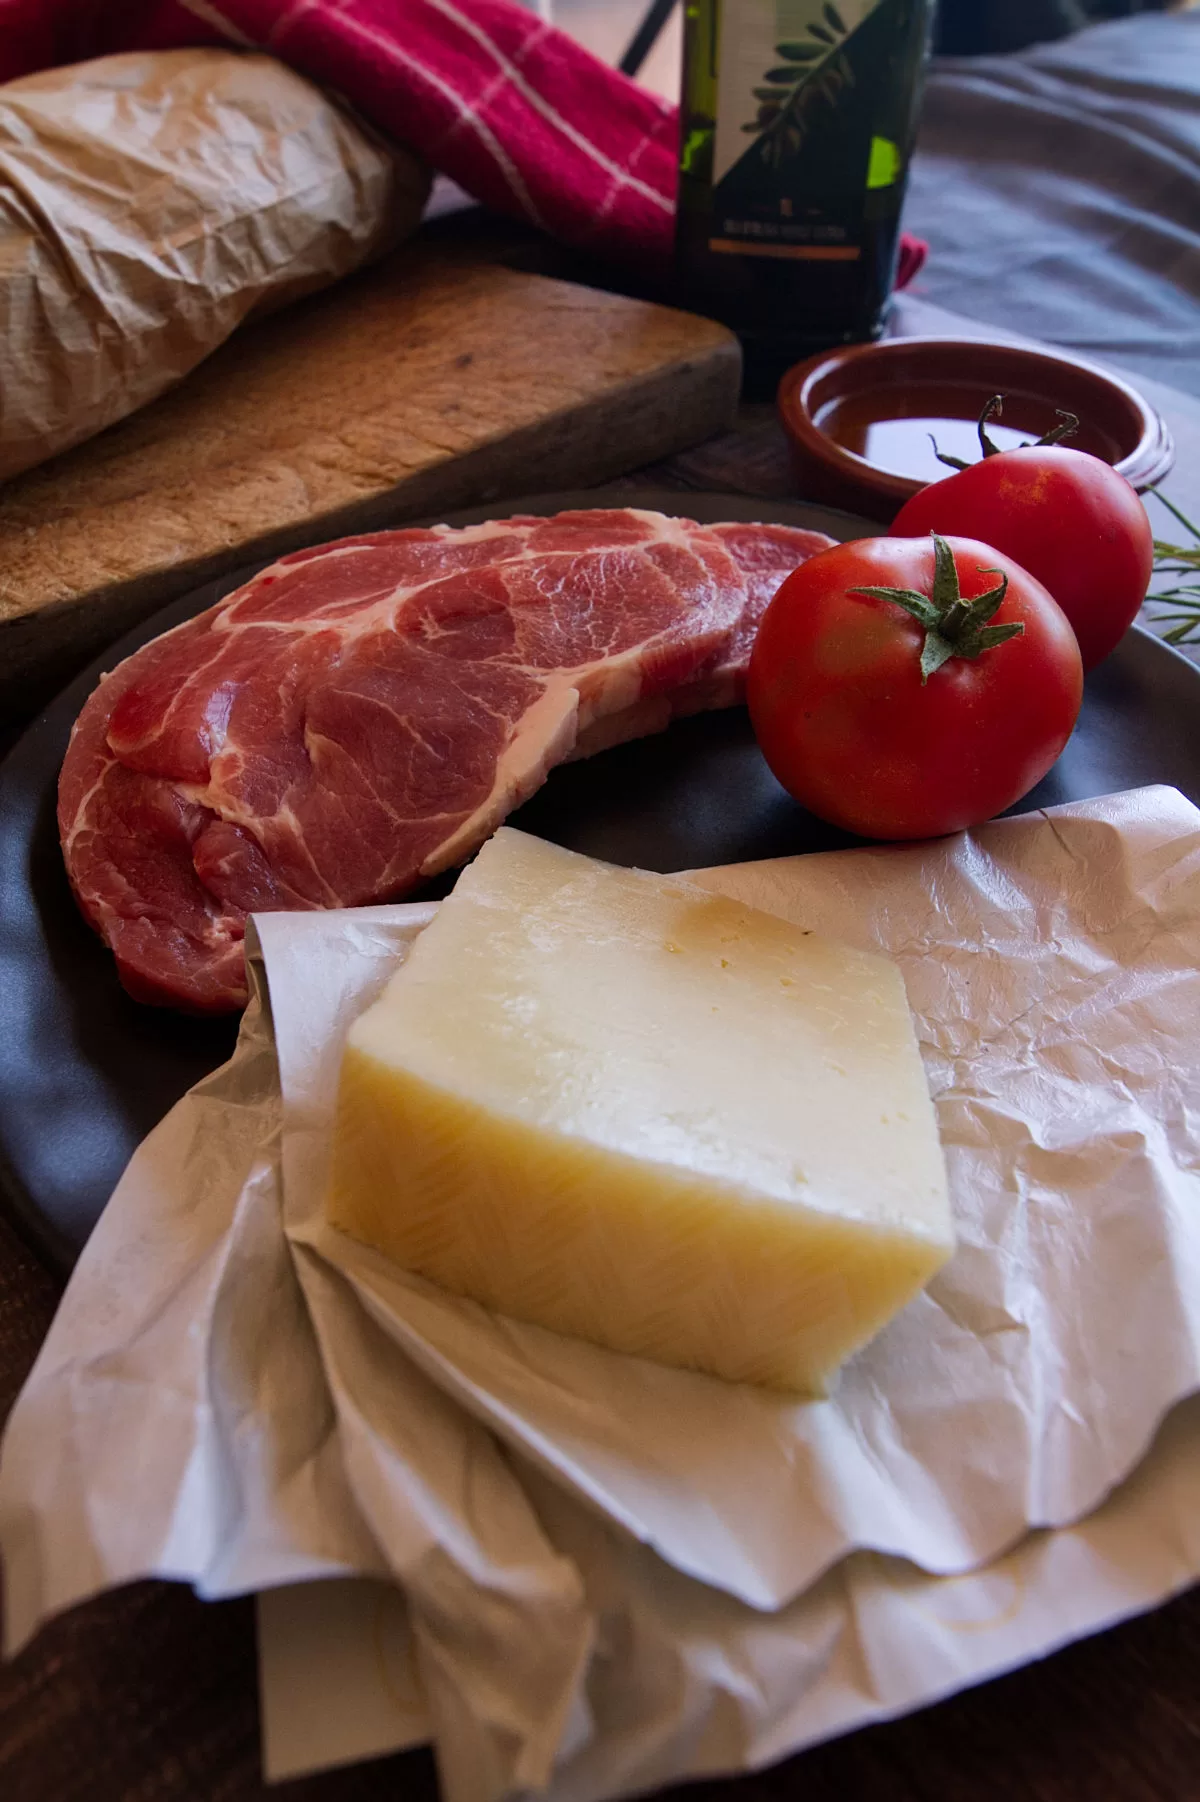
(85, 1072)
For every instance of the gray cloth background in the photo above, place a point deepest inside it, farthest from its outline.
(1059, 189)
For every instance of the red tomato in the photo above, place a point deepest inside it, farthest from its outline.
(1067, 518)
(851, 729)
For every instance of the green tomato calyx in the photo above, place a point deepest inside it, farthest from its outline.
(1068, 424)
(954, 627)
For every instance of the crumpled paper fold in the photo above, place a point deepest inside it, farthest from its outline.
(235, 1395)
(152, 201)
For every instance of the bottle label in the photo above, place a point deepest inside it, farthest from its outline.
(811, 119)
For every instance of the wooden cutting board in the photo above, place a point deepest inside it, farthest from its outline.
(437, 380)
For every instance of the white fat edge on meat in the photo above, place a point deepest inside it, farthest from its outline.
(531, 753)
(519, 773)
(521, 769)
(363, 621)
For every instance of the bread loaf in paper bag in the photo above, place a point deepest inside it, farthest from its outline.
(151, 202)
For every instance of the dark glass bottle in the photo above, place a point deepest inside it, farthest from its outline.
(797, 123)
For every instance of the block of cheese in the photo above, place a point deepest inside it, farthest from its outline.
(622, 1107)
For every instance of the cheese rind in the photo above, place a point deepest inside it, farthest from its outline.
(619, 1106)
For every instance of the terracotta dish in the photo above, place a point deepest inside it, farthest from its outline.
(860, 419)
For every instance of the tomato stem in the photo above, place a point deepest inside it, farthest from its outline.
(993, 409)
(954, 627)
(1068, 423)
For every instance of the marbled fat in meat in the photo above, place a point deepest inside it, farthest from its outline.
(362, 715)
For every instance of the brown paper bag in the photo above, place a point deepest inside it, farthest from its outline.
(151, 202)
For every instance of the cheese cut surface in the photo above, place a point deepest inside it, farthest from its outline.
(622, 1107)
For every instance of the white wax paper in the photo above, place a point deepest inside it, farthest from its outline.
(875, 1638)
(236, 1395)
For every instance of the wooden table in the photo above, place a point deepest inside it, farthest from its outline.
(150, 1695)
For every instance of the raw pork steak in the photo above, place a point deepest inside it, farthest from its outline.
(363, 715)
(765, 555)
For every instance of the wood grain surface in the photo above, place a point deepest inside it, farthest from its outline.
(436, 380)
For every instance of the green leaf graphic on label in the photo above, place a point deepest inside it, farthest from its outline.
(809, 74)
(884, 166)
(791, 73)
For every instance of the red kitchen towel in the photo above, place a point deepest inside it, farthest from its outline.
(515, 111)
